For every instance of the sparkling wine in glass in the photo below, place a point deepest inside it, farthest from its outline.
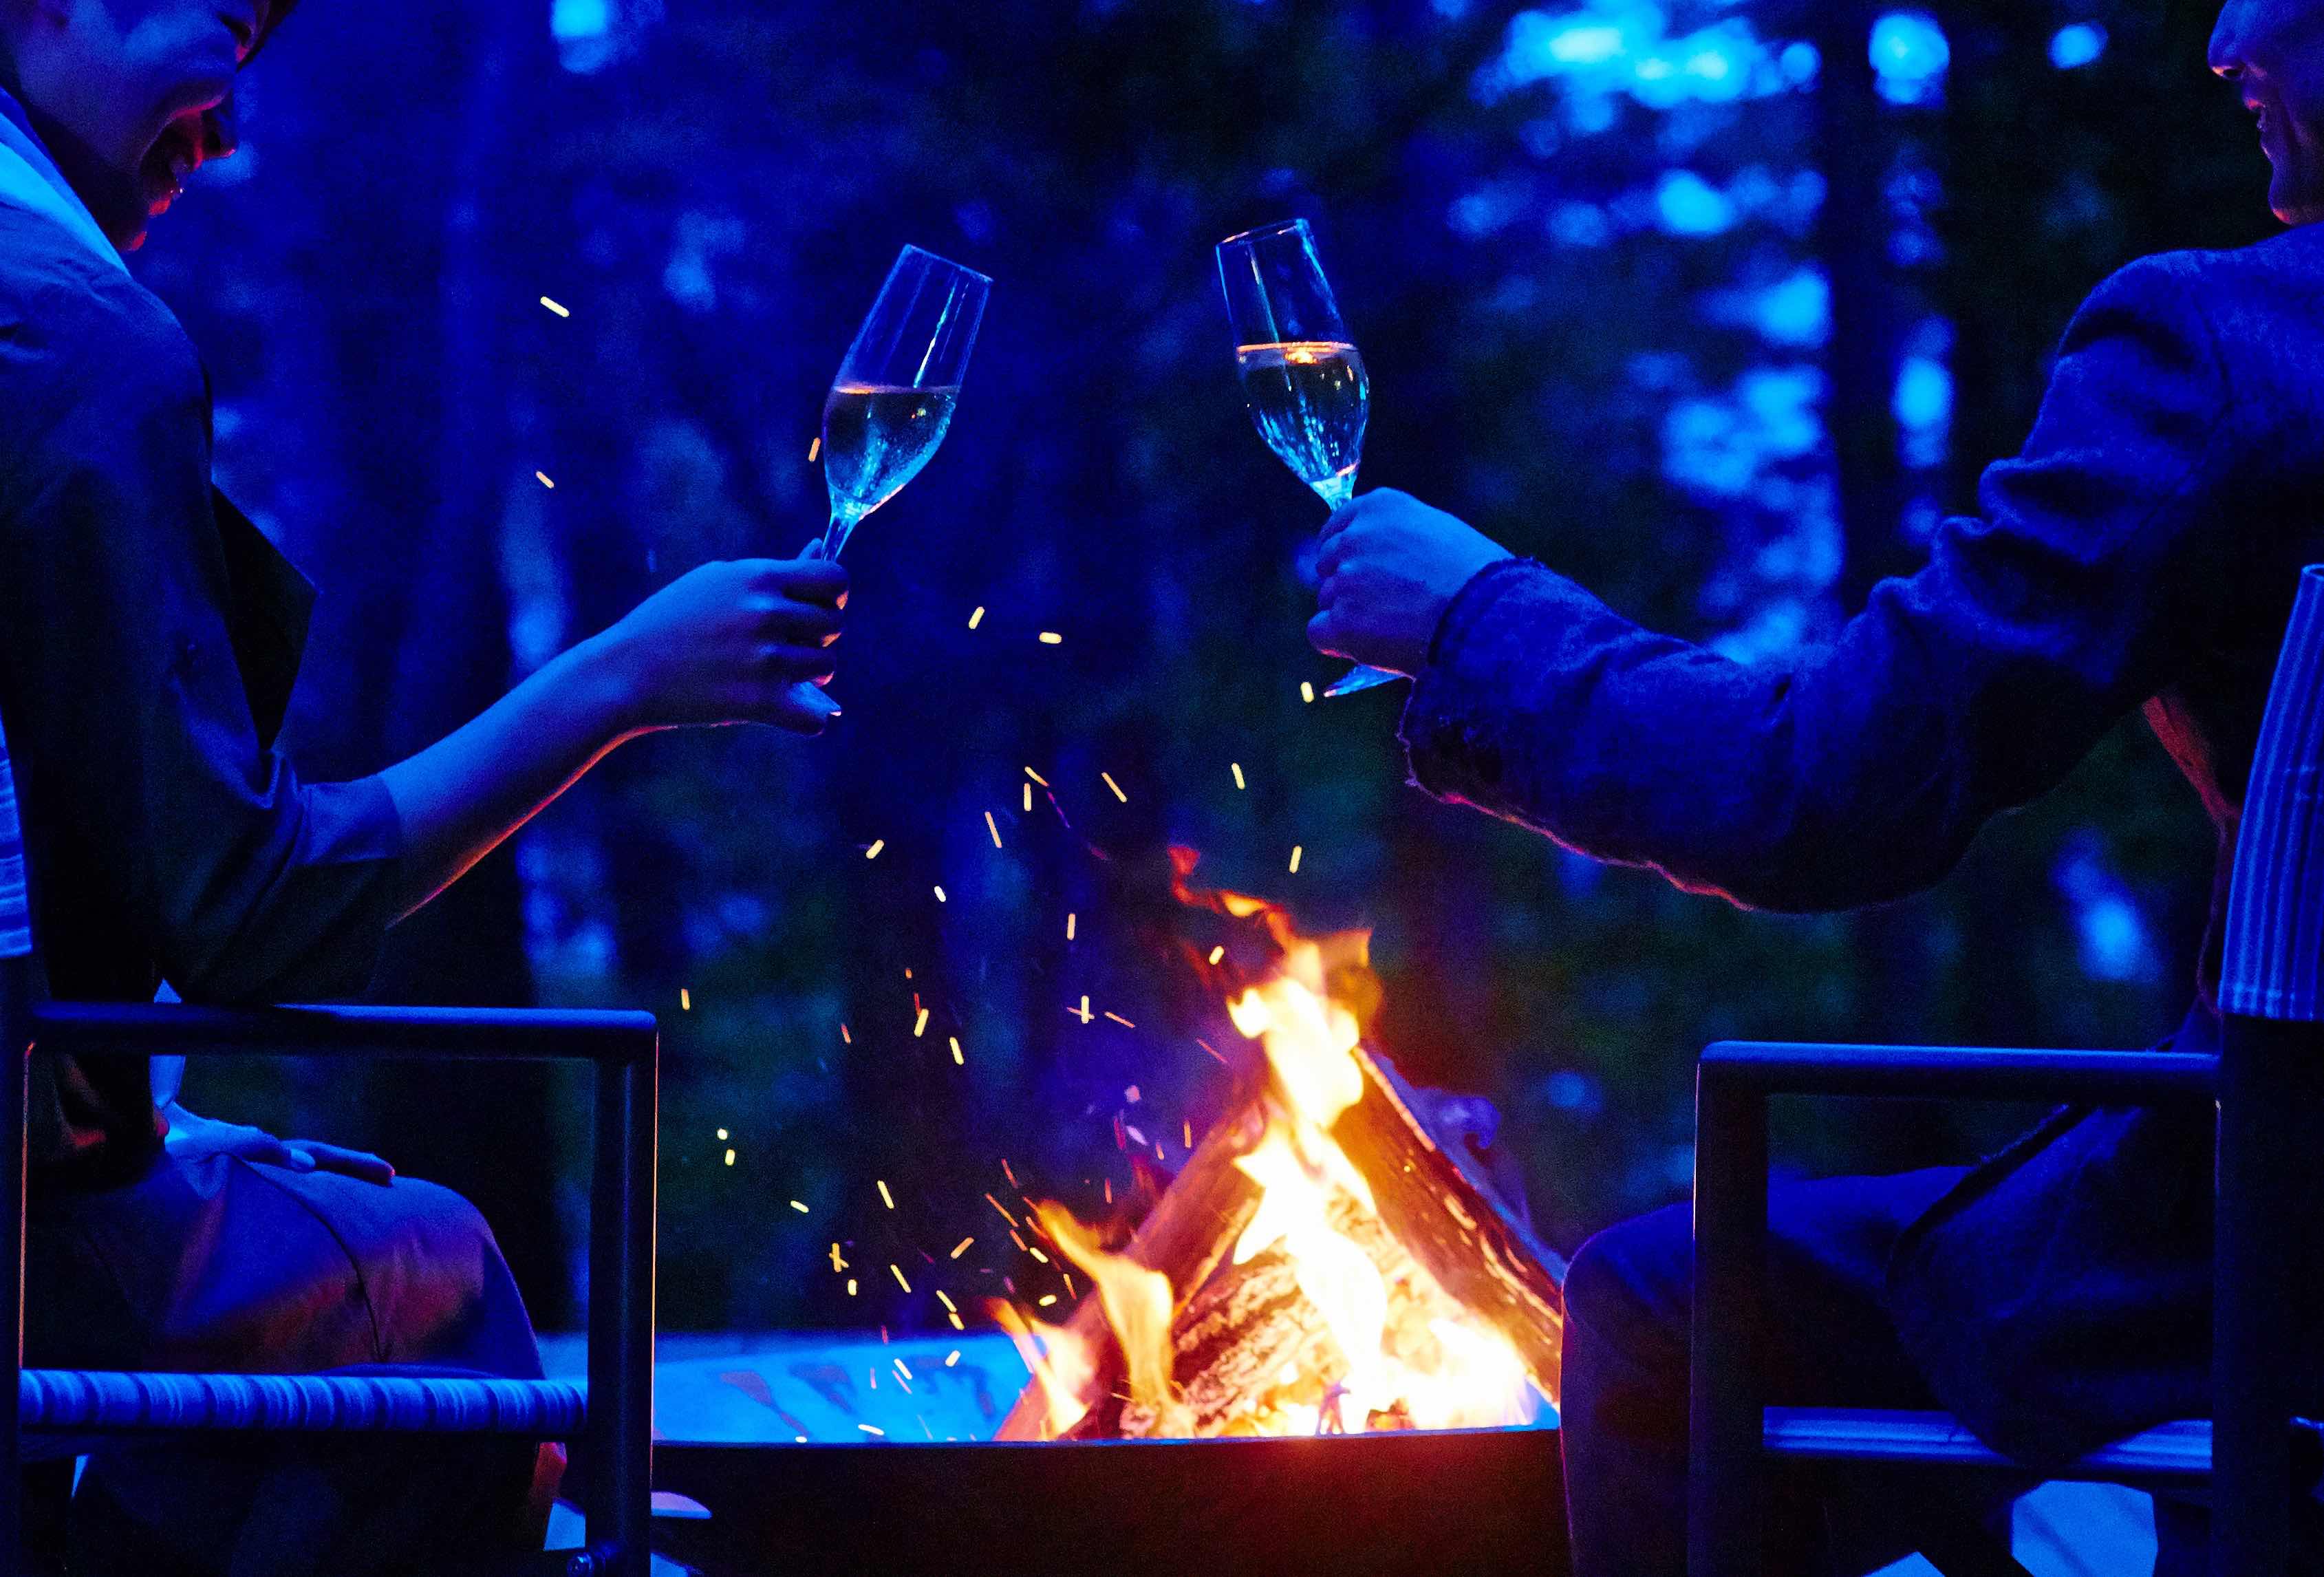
(1302, 376)
(893, 398)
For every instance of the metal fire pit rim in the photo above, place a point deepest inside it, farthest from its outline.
(1214, 1441)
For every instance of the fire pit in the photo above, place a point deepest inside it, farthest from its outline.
(1328, 1346)
(1467, 1501)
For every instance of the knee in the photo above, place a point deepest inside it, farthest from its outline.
(1634, 1274)
(438, 1284)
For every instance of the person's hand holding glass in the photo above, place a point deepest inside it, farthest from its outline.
(1302, 376)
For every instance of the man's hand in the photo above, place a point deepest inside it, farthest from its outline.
(1390, 566)
(193, 1137)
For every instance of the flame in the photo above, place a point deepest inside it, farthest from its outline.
(1137, 1302)
(1403, 1354)
(1063, 1367)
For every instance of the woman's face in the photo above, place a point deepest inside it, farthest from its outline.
(2272, 50)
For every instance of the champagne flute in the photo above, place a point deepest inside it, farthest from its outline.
(1302, 376)
(893, 398)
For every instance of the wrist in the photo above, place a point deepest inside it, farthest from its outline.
(597, 679)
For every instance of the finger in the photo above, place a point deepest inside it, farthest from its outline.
(816, 580)
(1324, 634)
(814, 548)
(262, 1148)
(800, 708)
(799, 624)
(358, 1163)
(1346, 514)
(785, 662)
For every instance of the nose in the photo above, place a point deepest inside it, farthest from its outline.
(220, 136)
(2231, 40)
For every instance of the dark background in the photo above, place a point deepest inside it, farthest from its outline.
(1716, 306)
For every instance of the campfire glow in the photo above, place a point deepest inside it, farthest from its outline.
(1320, 1319)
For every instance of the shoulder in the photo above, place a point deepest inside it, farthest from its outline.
(72, 327)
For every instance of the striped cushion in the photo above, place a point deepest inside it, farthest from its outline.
(15, 912)
(2274, 962)
(85, 1402)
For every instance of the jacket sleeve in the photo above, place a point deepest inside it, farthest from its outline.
(1859, 772)
(246, 884)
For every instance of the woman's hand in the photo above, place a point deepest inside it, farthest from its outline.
(193, 1137)
(1390, 566)
(730, 642)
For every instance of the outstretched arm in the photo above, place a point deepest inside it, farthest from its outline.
(729, 642)
(1860, 771)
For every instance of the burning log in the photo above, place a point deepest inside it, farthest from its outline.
(1326, 1262)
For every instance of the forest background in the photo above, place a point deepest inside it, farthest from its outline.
(1717, 307)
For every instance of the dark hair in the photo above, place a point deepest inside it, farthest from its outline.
(275, 11)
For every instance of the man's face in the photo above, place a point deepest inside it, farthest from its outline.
(2272, 50)
(142, 92)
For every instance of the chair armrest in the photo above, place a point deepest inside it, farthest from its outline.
(1957, 1072)
(464, 1034)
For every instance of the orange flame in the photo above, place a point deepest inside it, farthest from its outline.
(1405, 1360)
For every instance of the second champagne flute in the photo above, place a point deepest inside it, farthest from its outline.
(1302, 376)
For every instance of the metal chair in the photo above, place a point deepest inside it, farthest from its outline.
(2263, 1082)
(614, 1417)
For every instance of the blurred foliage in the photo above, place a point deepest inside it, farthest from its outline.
(1596, 311)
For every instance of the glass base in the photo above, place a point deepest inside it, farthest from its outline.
(1363, 678)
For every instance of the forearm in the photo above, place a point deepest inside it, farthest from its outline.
(457, 799)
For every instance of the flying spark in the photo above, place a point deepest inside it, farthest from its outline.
(556, 307)
(851, 1286)
(952, 1357)
(722, 1136)
(1037, 777)
(887, 1198)
(1118, 1018)
(684, 1001)
(730, 1158)
(1295, 851)
(898, 1272)
(1110, 783)
(921, 1028)
(994, 827)
(1029, 796)
(813, 448)
(838, 1262)
(1048, 1299)
(976, 618)
(1307, 692)
(940, 897)
(1218, 953)
(872, 1429)
(957, 1058)
(1051, 637)
(873, 851)
(1069, 927)
(544, 480)
(1238, 773)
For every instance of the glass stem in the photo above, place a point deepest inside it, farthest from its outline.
(835, 535)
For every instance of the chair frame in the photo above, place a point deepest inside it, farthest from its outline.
(2245, 1454)
(624, 1049)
